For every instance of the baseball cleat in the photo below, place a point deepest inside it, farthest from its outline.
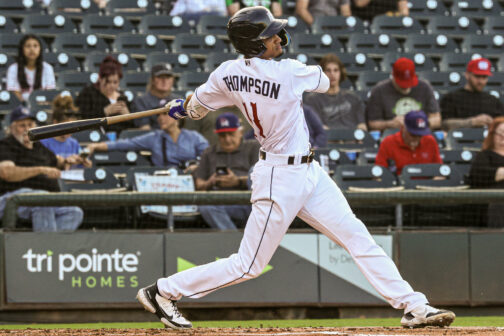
(165, 309)
(427, 316)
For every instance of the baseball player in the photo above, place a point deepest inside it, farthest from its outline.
(286, 181)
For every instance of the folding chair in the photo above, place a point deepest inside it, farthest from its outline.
(191, 80)
(396, 26)
(179, 62)
(315, 45)
(138, 45)
(330, 158)
(337, 25)
(135, 81)
(133, 9)
(75, 81)
(301, 57)
(47, 25)
(7, 25)
(19, 8)
(212, 25)
(430, 45)
(456, 27)
(106, 26)
(9, 43)
(492, 46)
(423, 10)
(372, 45)
(349, 139)
(476, 9)
(422, 62)
(214, 59)
(79, 45)
(62, 62)
(73, 8)
(368, 79)
(93, 60)
(164, 27)
(118, 162)
(466, 138)
(198, 46)
(455, 61)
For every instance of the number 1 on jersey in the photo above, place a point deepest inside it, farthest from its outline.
(256, 120)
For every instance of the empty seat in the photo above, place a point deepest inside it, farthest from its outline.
(295, 25)
(429, 175)
(337, 25)
(368, 79)
(75, 81)
(422, 62)
(163, 27)
(138, 45)
(89, 136)
(73, 8)
(118, 162)
(134, 9)
(191, 80)
(106, 26)
(20, 8)
(364, 177)
(47, 25)
(42, 99)
(78, 44)
(487, 45)
(179, 62)
(372, 45)
(462, 159)
(452, 26)
(197, 45)
(423, 10)
(431, 45)
(214, 59)
(397, 26)
(301, 57)
(93, 60)
(367, 156)
(7, 25)
(5, 61)
(466, 138)
(135, 81)
(358, 62)
(476, 9)
(442, 80)
(496, 82)
(493, 25)
(8, 102)
(96, 178)
(9, 43)
(330, 158)
(212, 25)
(62, 61)
(349, 139)
(316, 45)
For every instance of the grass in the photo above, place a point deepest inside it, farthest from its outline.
(487, 321)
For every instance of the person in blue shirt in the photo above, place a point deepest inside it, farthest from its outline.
(68, 148)
(169, 146)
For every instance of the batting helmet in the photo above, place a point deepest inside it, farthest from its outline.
(250, 25)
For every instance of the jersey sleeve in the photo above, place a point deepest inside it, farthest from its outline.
(308, 78)
(210, 95)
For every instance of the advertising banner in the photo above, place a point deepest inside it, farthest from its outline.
(80, 267)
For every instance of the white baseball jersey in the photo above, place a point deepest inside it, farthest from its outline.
(269, 94)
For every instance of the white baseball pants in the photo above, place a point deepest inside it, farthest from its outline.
(280, 192)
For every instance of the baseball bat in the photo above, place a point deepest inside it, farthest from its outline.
(49, 131)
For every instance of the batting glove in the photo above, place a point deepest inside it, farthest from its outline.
(177, 110)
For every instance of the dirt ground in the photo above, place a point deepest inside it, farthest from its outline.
(381, 331)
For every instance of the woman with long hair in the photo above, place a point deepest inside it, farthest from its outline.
(487, 170)
(103, 99)
(30, 72)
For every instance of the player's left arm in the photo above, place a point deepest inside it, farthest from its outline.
(309, 78)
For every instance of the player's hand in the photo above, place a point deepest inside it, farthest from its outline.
(228, 181)
(481, 120)
(177, 110)
(50, 172)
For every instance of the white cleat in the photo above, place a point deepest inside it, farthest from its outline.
(427, 316)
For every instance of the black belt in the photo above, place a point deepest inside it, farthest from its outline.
(304, 159)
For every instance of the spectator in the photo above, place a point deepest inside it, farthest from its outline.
(392, 98)
(368, 9)
(412, 144)
(470, 106)
(307, 9)
(103, 99)
(487, 170)
(337, 108)
(169, 145)
(30, 72)
(275, 6)
(158, 94)
(192, 10)
(29, 167)
(225, 166)
(63, 110)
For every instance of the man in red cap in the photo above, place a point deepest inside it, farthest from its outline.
(392, 98)
(470, 106)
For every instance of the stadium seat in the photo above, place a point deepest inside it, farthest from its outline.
(106, 26)
(315, 45)
(423, 10)
(47, 25)
(20, 8)
(443, 80)
(197, 46)
(430, 175)
(42, 99)
(337, 25)
(368, 79)
(164, 27)
(191, 80)
(78, 45)
(455, 61)
(493, 25)
(372, 45)
(93, 60)
(138, 45)
(75, 81)
(179, 62)
(476, 9)
(5, 61)
(132, 132)
(96, 178)
(135, 81)
(8, 102)
(7, 25)
(490, 46)
(422, 62)
(330, 158)
(349, 139)
(214, 59)
(295, 24)
(118, 162)
(89, 136)
(212, 25)
(495, 82)
(430, 45)
(500, 63)
(73, 8)
(365, 177)
(357, 62)
(396, 26)
(462, 159)
(9, 43)
(62, 62)
(455, 27)
(367, 156)
(466, 138)
(134, 9)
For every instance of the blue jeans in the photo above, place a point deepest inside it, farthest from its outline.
(46, 219)
(222, 217)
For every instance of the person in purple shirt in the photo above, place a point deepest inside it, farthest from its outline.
(170, 145)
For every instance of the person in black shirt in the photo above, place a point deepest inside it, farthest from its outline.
(27, 167)
(470, 106)
(487, 170)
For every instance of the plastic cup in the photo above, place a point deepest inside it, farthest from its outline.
(112, 136)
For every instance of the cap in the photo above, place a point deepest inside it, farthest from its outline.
(161, 69)
(21, 113)
(227, 122)
(480, 66)
(404, 73)
(416, 123)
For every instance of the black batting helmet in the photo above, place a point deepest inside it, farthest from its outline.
(250, 25)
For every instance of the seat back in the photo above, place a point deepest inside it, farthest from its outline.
(337, 25)
(62, 62)
(20, 8)
(368, 79)
(295, 24)
(106, 26)
(79, 45)
(487, 45)
(214, 59)
(416, 176)
(496, 82)
(493, 26)
(372, 44)
(89, 136)
(367, 156)
(365, 176)
(330, 158)
(357, 62)
(212, 25)
(455, 61)
(8, 102)
(431, 45)
(42, 99)
(198, 45)
(96, 178)
(476, 9)
(75, 81)
(344, 138)
(135, 81)
(397, 26)
(7, 25)
(73, 8)
(315, 45)
(179, 62)
(134, 9)
(443, 80)
(93, 61)
(138, 45)
(191, 80)
(466, 138)
(164, 27)
(455, 27)
(423, 10)
(422, 61)
(118, 162)
(9, 43)
(47, 25)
